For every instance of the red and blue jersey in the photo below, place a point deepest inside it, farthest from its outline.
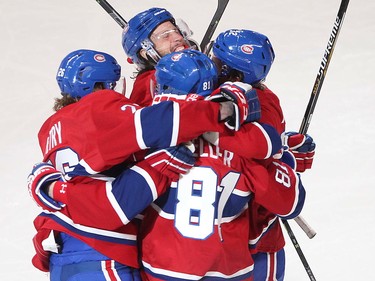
(199, 228)
(103, 129)
(100, 131)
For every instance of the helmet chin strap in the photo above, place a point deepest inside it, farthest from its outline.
(152, 55)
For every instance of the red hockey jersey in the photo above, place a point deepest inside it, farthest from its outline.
(76, 131)
(199, 228)
(102, 130)
(143, 88)
(266, 233)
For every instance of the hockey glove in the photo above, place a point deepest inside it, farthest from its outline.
(172, 161)
(254, 106)
(42, 175)
(234, 92)
(303, 149)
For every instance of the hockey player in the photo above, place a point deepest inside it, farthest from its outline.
(202, 87)
(141, 29)
(95, 129)
(206, 210)
(148, 36)
(247, 56)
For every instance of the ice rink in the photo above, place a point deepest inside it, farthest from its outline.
(36, 35)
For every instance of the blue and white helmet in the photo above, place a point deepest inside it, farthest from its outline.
(80, 70)
(244, 50)
(185, 72)
(136, 34)
(138, 30)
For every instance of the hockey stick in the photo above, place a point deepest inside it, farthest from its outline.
(316, 90)
(299, 250)
(221, 5)
(310, 232)
(310, 110)
(324, 66)
(112, 12)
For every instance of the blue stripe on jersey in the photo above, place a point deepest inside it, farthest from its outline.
(160, 124)
(235, 205)
(133, 191)
(275, 139)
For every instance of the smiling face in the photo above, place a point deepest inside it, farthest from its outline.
(167, 39)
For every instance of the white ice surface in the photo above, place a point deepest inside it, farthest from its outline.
(36, 35)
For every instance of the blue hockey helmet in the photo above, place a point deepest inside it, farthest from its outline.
(244, 50)
(138, 30)
(81, 69)
(184, 72)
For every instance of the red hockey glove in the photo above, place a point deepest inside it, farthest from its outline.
(42, 175)
(172, 161)
(303, 149)
(236, 93)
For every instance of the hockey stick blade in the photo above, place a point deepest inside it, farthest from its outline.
(112, 12)
(221, 5)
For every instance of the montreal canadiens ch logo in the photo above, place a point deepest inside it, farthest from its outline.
(247, 49)
(176, 57)
(99, 58)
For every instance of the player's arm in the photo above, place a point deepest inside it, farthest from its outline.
(122, 129)
(252, 141)
(281, 191)
(107, 203)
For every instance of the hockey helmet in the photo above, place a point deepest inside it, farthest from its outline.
(81, 69)
(244, 50)
(184, 72)
(138, 30)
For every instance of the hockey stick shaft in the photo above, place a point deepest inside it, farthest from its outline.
(221, 5)
(310, 232)
(324, 66)
(308, 115)
(299, 250)
(112, 12)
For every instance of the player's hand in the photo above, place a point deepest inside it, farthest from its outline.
(42, 175)
(303, 149)
(235, 92)
(172, 161)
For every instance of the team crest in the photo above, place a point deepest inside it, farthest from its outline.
(99, 58)
(247, 49)
(176, 57)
